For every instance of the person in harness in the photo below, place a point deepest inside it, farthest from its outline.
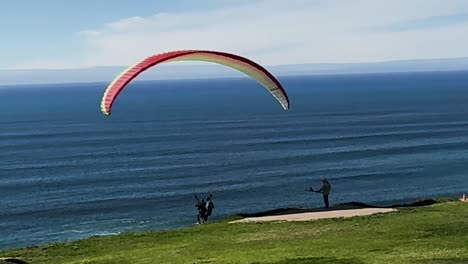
(201, 207)
(209, 206)
(325, 190)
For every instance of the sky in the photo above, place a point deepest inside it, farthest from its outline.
(57, 34)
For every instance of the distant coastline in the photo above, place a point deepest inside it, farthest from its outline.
(104, 83)
(210, 71)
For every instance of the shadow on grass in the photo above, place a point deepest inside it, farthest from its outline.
(442, 261)
(454, 229)
(12, 260)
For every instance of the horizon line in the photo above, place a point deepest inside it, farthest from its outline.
(266, 65)
(241, 77)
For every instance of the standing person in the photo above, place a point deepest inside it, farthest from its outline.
(201, 207)
(325, 190)
(209, 207)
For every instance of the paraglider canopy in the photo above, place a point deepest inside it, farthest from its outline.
(250, 68)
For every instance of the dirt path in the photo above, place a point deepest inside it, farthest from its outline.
(316, 215)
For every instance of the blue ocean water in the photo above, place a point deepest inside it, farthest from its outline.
(68, 172)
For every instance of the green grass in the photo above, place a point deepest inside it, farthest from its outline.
(436, 234)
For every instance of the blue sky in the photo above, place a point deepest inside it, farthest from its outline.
(47, 28)
(69, 34)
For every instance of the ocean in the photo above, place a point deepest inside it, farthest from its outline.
(68, 172)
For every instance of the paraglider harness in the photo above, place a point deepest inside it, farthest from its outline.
(201, 210)
(205, 208)
(209, 205)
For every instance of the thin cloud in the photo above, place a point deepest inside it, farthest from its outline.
(286, 32)
(427, 23)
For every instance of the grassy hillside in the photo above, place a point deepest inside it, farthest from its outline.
(436, 234)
